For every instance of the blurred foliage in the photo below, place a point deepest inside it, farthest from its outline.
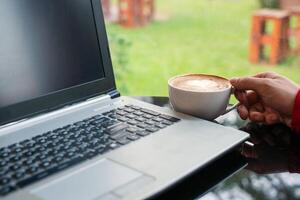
(269, 3)
(119, 46)
(190, 36)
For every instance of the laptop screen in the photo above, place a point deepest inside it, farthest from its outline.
(46, 46)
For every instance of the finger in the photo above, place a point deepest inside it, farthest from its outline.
(272, 118)
(266, 75)
(258, 107)
(248, 83)
(243, 112)
(247, 98)
(252, 98)
(241, 97)
(256, 116)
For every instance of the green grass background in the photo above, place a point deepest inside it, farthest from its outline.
(198, 36)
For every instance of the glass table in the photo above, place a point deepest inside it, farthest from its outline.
(263, 172)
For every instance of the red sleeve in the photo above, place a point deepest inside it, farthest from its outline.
(296, 114)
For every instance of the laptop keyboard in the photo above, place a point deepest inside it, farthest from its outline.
(33, 159)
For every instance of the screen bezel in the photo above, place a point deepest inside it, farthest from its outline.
(72, 95)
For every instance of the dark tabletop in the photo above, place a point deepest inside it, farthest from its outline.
(263, 172)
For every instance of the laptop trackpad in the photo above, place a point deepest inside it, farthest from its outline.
(88, 183)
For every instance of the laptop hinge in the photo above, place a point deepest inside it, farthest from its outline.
(114, 94)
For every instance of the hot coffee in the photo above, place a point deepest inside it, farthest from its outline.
(200, 95)
(200, 83)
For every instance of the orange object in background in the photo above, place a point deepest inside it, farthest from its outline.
(134, 13)
(278, 39)
(287, 4)
(145, 11)
(295, 31)
(106, 6)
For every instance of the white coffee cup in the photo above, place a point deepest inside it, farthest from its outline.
(205, 104)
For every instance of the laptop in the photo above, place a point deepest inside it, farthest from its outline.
(66, 133)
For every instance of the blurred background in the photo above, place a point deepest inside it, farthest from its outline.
(203, 36)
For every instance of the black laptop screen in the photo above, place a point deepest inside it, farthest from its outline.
(46, 46)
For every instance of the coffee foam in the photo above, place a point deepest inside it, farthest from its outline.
(201, 83)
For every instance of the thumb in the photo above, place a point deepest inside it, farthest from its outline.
(248, 83)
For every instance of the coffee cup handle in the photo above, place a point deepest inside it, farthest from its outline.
(231, 108)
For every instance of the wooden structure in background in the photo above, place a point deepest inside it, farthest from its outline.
(287, 4)
(133, 13)
(278, 39)
(295, 31)
(146, 11)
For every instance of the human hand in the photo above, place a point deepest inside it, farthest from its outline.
(268, 98)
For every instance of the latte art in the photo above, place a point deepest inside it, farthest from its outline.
(200, 95)
(201, 83)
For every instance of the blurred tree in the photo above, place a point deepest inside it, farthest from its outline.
(119, 46)
(269, 3)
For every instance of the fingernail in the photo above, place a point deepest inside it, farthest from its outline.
(233, 80)
(243, 107)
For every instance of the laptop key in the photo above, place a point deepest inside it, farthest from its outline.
(6, 189)
(116, 128)
(113, 116)
(169, 118)
(114, 145)
(119, 135)
(152, 129)
(135, 107)
(140, 119)
(166, 122)
(123, 141)
(122, 113)
(133, 129)
(132, 122)
(142, 125)
(138, 113)
(123, 119)
(150, 112)
(150, 122)
(148, 116)
(4, 180)
(158, 119)
(161, 126)
(110, 124)
(133, 137)
(131, 116)
(142, 133)
(3, 163)
(129, 110)
(89, 153)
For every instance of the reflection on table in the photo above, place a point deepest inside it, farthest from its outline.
(275, 153)
(273, 170)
